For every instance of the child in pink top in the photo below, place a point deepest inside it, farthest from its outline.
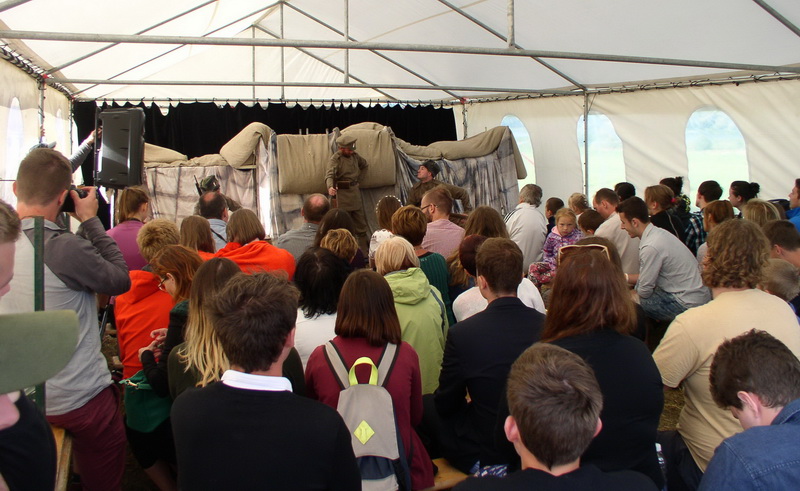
(564, 233)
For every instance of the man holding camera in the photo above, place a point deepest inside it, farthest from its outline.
(81, 398)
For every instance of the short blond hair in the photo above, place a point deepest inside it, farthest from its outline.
(340, 242)
(395, 254)
(782, 279)
(760, 212)
(155, 235)
(568, 213)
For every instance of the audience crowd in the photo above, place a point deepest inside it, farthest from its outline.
(518, 345)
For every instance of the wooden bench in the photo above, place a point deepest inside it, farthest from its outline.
(63, 457)
(447, 477)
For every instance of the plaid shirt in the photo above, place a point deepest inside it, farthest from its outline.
(694, 234)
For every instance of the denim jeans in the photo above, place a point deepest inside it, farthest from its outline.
(662, 306)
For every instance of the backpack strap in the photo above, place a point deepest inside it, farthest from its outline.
(441, 306)
(386, 364)
(336, 363)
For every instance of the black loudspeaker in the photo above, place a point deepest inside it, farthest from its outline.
(122, 149)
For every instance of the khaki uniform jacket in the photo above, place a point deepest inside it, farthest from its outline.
(341, 168)
(420, 188)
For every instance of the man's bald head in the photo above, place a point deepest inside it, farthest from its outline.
(315, 207)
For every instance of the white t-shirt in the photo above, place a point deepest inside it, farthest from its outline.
(471, 301)
(311, 333)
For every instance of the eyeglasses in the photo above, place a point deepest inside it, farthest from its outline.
(161, 284)
(569, 250)
(427, 206)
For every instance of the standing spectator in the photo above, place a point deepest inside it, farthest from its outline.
(81, 398)
(366, 322)
(249, 429)
(606, 202)
(214, 208)
(527, 226)
(419, 306)
(737, 254)
(758, 378)
(695, 233)
(132, 211)
(298, 240)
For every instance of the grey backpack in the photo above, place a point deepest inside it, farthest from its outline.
(368, 412)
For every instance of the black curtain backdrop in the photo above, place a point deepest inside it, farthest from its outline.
(197, 129)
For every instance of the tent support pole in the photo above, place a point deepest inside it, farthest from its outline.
(347, 40)
(511, 43)
(783, 20)
(586, 143)
(370, 45)
(10, 4)
(283, 57)
(42, 87)
(464, 117)
(253, 62)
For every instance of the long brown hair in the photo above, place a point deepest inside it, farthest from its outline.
(589, 294)
(179, 261)
(129, 201)
(196, 234)
(366, 309)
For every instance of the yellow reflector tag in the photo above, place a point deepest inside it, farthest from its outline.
(363, 432)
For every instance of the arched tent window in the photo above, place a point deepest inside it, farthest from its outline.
(715, 149)
(523, 139)
(606, 163)
(15, 143)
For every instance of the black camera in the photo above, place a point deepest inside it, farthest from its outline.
(69, 204)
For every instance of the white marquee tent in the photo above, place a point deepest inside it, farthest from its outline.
(647, 66)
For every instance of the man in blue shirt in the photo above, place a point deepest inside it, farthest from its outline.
(758, 378)
(794, 205)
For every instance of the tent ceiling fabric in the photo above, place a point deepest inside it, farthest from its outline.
(727, 32)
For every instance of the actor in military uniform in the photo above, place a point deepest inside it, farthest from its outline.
(345, 169)
(426, 174)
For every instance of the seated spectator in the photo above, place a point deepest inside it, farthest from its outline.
(383, 212)
(526, 224)
(340, 242)
(196, 235)
(793, 215)
(784, 242)
(741, 192)
(213, 207)
(199, 360)
(471, 301)
(606, 202)
(442, 235)
(668, 282)
(176, 266)
(551, 207)
(248, 248)
(578, 204)
(589, 221)
(760, 212)
(566, 232)
(592, 315)
(737, 255)
(660, 203)
(682, 203)
(757, 378)
(487, 222)
(419, 306)
(624, 190)
(297, 241)
(339, 218)
(138, 312)
(695, 232)
(319, 277)
(782, 279)
(555, 404)
(714, 213)
(477, 367)
(249, 429)
(366, 322)
(132, 210)
(410, 223)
